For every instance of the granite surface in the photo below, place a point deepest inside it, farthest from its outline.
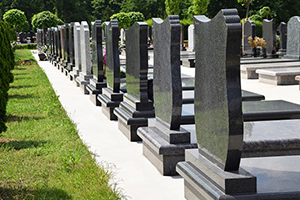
(71, 45)
(112, 55)
(269, 35)
(218, 104)
(85, 49)
(77, 48)
(97, 58)
(59, 43)
(283, 35)
(249, 30)
(167, 87)
(67, 41)
(137, 61)
(62, 41)
(293, 38)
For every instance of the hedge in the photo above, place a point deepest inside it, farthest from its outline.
(6, 65)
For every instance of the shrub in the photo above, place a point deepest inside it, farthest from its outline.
(45, 18)
(14, 17)
(126, 20)
(6, 77)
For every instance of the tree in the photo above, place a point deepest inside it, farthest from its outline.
(126, 20)
(149, 8)
(172, 7)
(247, 4)
(104, 9)
(44, 18)
(198, 7)
(265, 11)
(14, 17)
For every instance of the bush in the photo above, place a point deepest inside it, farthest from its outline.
(14, 17)
(46, 18)
(126, 20)
(6, 77)
(26, 46)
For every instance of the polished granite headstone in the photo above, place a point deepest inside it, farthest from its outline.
(191, 37)
(249, 30)
(59, 53)
(136, 107)
(77, 54)
(293, 38)
(62, 47)
(164, 141)
(283, 36)
(98, 81)
(111, 96)
(55, 45)
(71, 60)
(269, 35)
(67, 48)
(213, 169)
(86, 65)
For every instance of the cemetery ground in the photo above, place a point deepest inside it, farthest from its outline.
(41, 154)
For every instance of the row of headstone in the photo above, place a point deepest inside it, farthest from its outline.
(211, 170)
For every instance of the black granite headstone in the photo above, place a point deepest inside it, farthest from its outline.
(62, 47)
(97, 82)
(66, 44)
(249, 30)
(111, 96)
(283, 36)
(269, 35)
(218, 111)
(71, 60)
(59, 55)
(164, 140)
(136, 107)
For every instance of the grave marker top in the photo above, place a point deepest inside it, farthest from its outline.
(249, 30)
(137, 61)
(218, 104)
(269, 35)
(167, 86)
(112, 55)
(293, 38)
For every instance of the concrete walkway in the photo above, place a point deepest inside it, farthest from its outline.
(137, 177)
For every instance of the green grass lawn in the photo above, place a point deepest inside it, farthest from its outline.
(41, 154)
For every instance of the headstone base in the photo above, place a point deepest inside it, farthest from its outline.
(202, 181)
(163, 147)
(95, 88)
(68, 69)
(109, 101)
(83, 81)
(133, 114)
(297, 57)
(73, 75)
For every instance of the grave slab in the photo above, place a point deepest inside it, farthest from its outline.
(279, 76)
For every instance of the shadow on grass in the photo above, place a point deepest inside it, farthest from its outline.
(17, 96)
(25, 193)
(20, 68)
(20, 73)
(15, 118)
(21, 86)
(20, 78)
(18, 145)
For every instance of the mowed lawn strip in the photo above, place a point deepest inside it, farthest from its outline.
(41, 154)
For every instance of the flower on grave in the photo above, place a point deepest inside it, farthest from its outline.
(261, 42)
(252, 42)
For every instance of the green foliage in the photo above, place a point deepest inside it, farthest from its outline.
(6, 77)
(41, 154)
(258, 28)
(149, 8)
(123, 19)
(26, 46)
(198, 7)
(186, 22)
(256, 17)
(126, 20)
(172, 7)
(44, 18)
(265, 11)
(149, 22)
(14, 17)
(104, 9)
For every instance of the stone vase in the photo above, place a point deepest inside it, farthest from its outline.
(264, 52)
